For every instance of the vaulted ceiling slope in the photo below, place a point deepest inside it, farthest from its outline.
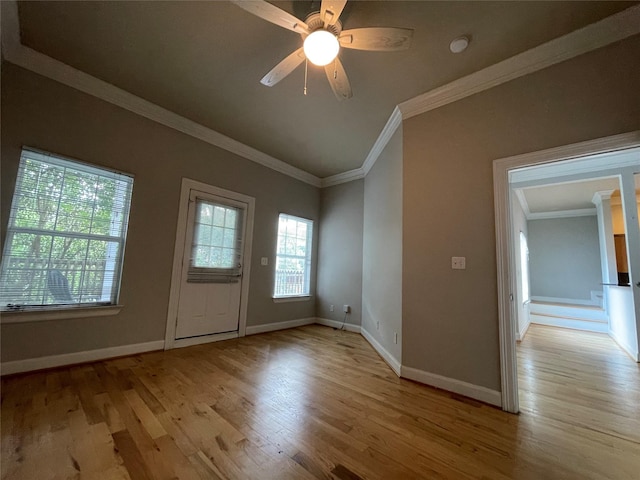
(204, 60)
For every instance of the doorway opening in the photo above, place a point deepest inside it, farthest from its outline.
(613, 157)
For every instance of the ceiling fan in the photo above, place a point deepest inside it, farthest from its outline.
(323, 37)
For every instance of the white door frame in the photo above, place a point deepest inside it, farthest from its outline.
(504, 253)
(178, 255)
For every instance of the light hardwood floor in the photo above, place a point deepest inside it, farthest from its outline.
(314, 402)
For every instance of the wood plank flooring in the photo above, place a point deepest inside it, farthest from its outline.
(314, 402)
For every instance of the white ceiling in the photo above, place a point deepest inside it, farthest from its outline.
(204, 60)
(567, 196)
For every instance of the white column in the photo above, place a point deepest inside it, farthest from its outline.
(630, 208)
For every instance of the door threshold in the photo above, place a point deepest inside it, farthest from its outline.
(215, 337)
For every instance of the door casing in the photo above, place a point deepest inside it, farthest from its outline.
(178, 255)
(505, 260)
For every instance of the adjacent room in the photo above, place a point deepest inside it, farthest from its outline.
(318, 239)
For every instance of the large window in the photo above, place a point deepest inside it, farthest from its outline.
(293, 258)
(66, 234)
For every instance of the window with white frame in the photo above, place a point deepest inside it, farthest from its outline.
(524, 267)
(66, 234)
(293, 256)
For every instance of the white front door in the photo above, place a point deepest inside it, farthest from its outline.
(211, 278)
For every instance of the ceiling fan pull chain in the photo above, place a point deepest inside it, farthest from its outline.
(306, 65)
(335, 68)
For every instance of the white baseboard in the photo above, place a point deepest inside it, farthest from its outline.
(392, 361)
(520, 335)
(624, 346)
(272, 327)
(586, 325)
(492, 397)
(349, 327)
(41, 363)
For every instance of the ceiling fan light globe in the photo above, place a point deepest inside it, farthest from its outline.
(321, 47)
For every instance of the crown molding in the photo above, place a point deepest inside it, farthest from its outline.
(46, 66)
(523, 201)
(599, 34)
(601, 196)
(395, 120)
(604, 32)
(344, 177)
(582, 212)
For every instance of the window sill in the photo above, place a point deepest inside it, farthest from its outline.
(297, 298)
(60, 313)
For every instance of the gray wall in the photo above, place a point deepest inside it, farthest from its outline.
(451, 316)
(564, 256)
(44, 114)
(340, 252)
(382, 248)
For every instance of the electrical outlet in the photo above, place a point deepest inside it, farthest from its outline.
(346, 308)
(395, 337)
(264, 261)
(458, 263)
(331, 308)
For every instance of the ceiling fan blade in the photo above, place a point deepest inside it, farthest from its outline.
(382, 39)
(273, 14)
(330, 11)
(284, 68)
(338, 80)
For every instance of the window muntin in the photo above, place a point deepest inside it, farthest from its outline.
(216, 246)
(66, 234)
(293, 256)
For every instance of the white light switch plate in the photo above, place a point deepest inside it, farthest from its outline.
(458, 263)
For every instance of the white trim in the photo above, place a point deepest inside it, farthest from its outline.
(49, 67)
(599, 34)
(624, 346)
(41, 315)
(595, 302)
(272, 327)
(581, 212)
(523, 201)
(178, 254)
(191, 341)
(492, 397)
(600, 164)
(349, 327)
(504, 260)
(395, 120)
(392, 361)
(601, 196)
(297, 298)
(344, 177)
(571, 323)
(41, 363)
(524, 329)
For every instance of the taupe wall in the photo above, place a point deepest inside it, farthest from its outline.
(44, 114)
(340, 252)
(382, 248)
(564, 256)
(451, 316)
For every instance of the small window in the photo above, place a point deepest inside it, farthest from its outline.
(216, 248)
(293, 257)
(66, 234)
(524, 262)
